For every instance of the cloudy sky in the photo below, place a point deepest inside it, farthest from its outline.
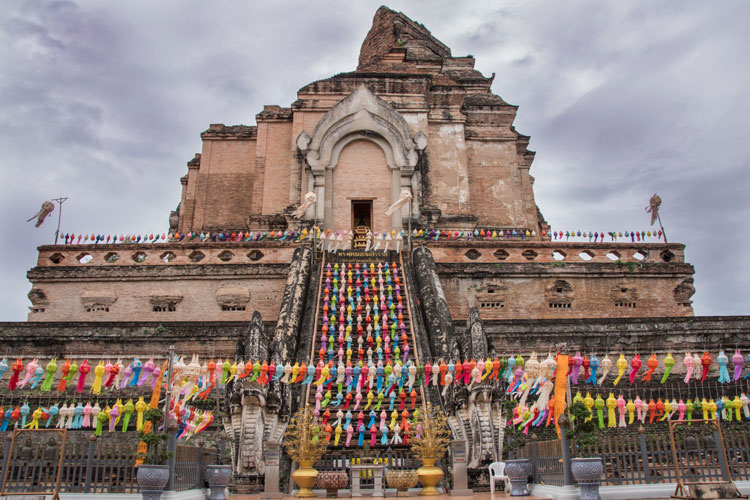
(103, 102)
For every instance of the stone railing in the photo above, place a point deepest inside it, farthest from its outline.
(165, 254)
(274, 252)
(554, 252)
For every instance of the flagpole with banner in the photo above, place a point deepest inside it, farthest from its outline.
(59, 201)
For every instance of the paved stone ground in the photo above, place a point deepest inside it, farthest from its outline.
(476, 496)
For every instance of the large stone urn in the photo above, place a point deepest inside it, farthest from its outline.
(152, 479)
(333, 481)
(588, 474)
(218, 477)
(402, 480)
(429, 475)
(305, 478)
(518, 471)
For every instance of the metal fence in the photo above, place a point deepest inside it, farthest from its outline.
(641, 458)
(392, 459)
(90, 465)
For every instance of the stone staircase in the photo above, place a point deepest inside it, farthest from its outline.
(363, 325)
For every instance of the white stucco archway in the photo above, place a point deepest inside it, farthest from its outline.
(361, 115)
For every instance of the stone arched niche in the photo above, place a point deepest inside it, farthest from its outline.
(360, 116)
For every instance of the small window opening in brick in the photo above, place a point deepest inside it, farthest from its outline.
(586, 255)
(492, 304)
(613, 256)
(558, 255)
(560, 305)
(667, 256)
(56, 257)
(84, 258)
(167, 257)
(94, 308)
(196, 256)
(529, 254)
(165, 308)
(501, 254)
(473, 254)
(35, 310)
(232, 308)
(255, 255)
(111, 257)
(225, 256)
(625, 304)
(139, 257)
(639, 255)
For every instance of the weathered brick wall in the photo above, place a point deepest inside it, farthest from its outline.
(139, 338)
(531, 291)
(496, 185)
(361, 173)
(223, 192)
(218, 338)
(275, 159)
(448, 176)
(248, 275)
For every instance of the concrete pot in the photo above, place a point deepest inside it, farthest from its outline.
(518, 471)
(588, 474)
(305, 478)
(429, 476)
(402, 480)
(218, 477)
(332, 482)
(152, 479)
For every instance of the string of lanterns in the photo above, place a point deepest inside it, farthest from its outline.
(343, 235)
(361, 369)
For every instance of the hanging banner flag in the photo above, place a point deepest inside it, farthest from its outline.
(561, 380)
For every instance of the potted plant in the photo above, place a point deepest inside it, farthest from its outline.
(153, 473)
(429, 440)
(587, 471)
(305, 444)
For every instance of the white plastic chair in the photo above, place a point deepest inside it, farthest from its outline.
(497, 473)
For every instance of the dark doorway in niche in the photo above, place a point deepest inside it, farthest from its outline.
(361, 221)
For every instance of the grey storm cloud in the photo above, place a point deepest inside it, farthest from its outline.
(104, 103)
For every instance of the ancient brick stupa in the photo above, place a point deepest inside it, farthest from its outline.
(412, 150)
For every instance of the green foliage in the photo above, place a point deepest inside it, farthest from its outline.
(558, 264)
(160, 329)
(585, 433)
(157, 453)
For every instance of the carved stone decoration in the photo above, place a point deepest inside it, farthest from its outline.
(286, 334)
(476, 335)
(232, 296)
(38, 297)
(361, 110)
(559, 294)
(476, 416)
(254, 345)
(440, 331)
(158, 299)
(248, 418)
(174, 219)
(97, 298)
(361, 115)
(684, 291)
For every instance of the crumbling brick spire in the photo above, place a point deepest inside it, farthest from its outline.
(393, 31)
